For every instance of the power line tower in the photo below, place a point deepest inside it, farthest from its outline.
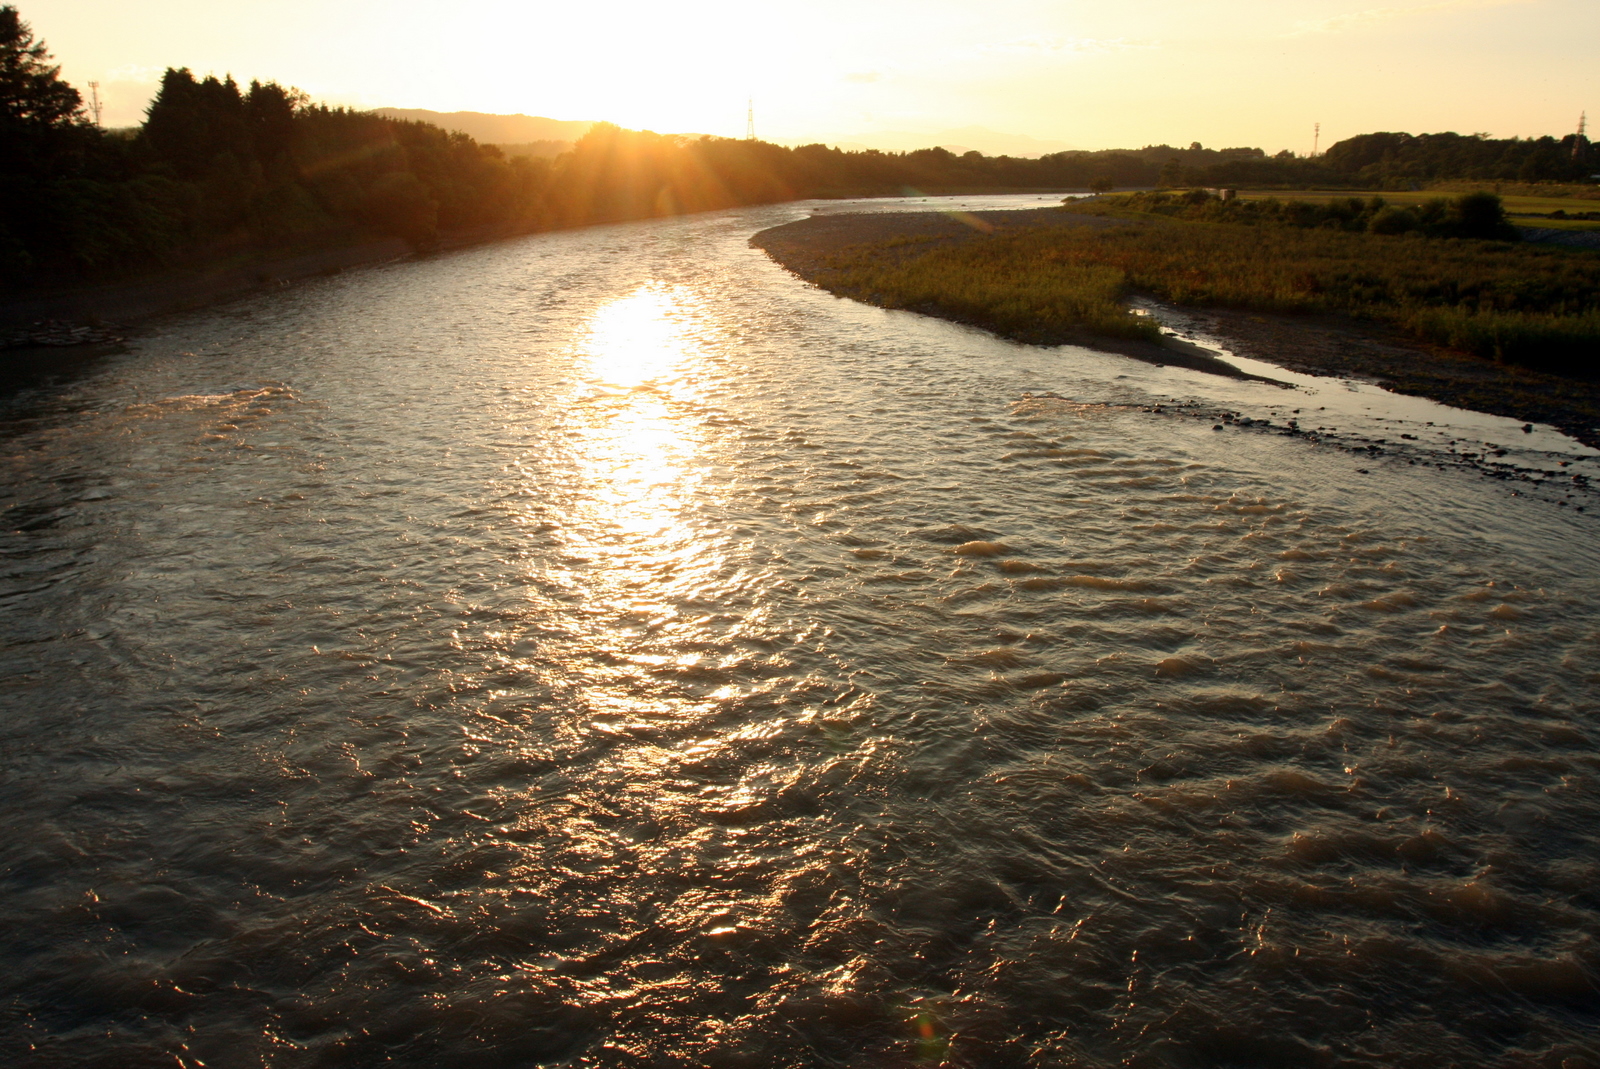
(750, 119)
(1316, 138)
(94, 101)
(1579, 142)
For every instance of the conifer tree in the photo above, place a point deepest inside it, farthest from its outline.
(31, 90)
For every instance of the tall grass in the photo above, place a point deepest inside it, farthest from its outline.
(1568, 344)
(1528, 305)
(1011, 283)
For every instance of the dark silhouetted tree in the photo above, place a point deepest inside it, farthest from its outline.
(31, 90)
(192, 124)
(223, 171)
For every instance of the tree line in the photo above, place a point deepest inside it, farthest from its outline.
(1480, 215)
(218, 170)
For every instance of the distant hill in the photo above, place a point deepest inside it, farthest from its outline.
(989, 142)
(494, 129)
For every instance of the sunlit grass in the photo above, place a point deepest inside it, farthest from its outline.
(1015, 284)
(1521, 304)
(1527, 305)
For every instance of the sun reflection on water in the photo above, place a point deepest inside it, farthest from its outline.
(645, 336)
(639, 464)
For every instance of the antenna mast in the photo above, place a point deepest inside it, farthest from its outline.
(750, 119)
(94, 101)
(1316, 138)
(1579, 141)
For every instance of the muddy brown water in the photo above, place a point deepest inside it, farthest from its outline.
(602, 649)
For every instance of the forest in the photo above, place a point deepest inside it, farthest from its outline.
(219, 170)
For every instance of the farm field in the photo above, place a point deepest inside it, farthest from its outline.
(1525, 210)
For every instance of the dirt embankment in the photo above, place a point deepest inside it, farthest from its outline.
(1318, 345)
(178, 291)
(1354, 349)
(49, 313)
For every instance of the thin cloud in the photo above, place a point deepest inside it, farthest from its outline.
(1374, 15)
(134, 72)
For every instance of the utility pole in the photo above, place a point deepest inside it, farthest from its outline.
(94, 101)
(750, 119)
(1316, 138)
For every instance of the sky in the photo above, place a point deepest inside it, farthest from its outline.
(1069, 73)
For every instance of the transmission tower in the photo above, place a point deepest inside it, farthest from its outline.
(750, 119)
(1580, 141)
(1316, 138)
(94, 101)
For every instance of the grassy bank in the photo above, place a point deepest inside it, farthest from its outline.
(1408, 311)
(1527, 305)
(1532, 306)
(1031, 286)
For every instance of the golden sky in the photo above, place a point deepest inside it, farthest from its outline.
(1086, 74)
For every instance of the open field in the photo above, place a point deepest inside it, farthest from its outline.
(1575, 191)
(1525, 210)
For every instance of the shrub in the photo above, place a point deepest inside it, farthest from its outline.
(1392, 220)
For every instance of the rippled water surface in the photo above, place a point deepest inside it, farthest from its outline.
(602, 649)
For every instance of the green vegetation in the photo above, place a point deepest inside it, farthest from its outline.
(217, 171)
(1526, 305)
(1403, 161)
(1552, 207)
(1471, 215)
(221, 172)
(1516, 191)
(1024, 286)
(1382, 161)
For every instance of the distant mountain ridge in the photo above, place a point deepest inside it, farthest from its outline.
(523, 131)
(494, 129)
(981, 138)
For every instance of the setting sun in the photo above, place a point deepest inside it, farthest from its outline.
(1077, 74)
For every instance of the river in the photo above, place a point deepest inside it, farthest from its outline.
(603, 649)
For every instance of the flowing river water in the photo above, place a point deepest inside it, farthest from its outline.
(604, 649)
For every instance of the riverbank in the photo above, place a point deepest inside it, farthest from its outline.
(1328, 345)
(811, 248)
(76, 316)
(209, 282)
